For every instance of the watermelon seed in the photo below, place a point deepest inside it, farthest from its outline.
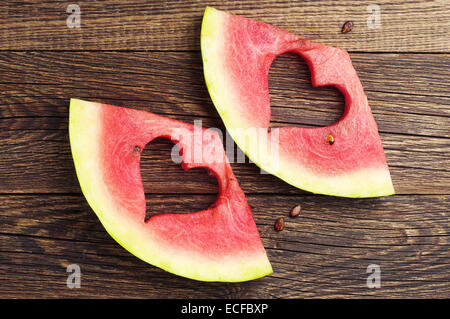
(347, 27)
(330, 139)
(279, 224)
(296, 211)
(137, 149)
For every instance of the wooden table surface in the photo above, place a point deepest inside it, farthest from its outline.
(146, 55)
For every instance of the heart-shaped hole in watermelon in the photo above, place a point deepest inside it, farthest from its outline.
(168, 187)
(293, 99)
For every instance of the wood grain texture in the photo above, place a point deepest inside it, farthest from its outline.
(175, 25)
(145, 54)
(413, 119)
(314, 256)
(39, 161)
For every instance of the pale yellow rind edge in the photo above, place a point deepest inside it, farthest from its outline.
(84, 131)
(370, 182)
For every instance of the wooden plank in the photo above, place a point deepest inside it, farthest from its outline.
(405, 74)
(39, 161)
(35, 156)
(171, 25)
(314, 256)
(155, 65)
(412, 84)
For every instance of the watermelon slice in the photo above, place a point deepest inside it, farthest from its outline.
(344, 159)
(220, 243)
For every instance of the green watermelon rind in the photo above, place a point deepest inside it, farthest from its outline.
(368, 182)
(84, 133)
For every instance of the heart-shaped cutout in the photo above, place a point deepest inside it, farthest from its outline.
(293, 99)
(168, 187)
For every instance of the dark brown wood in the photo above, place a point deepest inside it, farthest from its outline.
(314, 255)
(39, 161)
(411, 26)
(172, 83)
(414, 123)
(145, 55)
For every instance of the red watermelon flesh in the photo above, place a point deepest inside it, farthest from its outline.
(237, 54)
(220, 243)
